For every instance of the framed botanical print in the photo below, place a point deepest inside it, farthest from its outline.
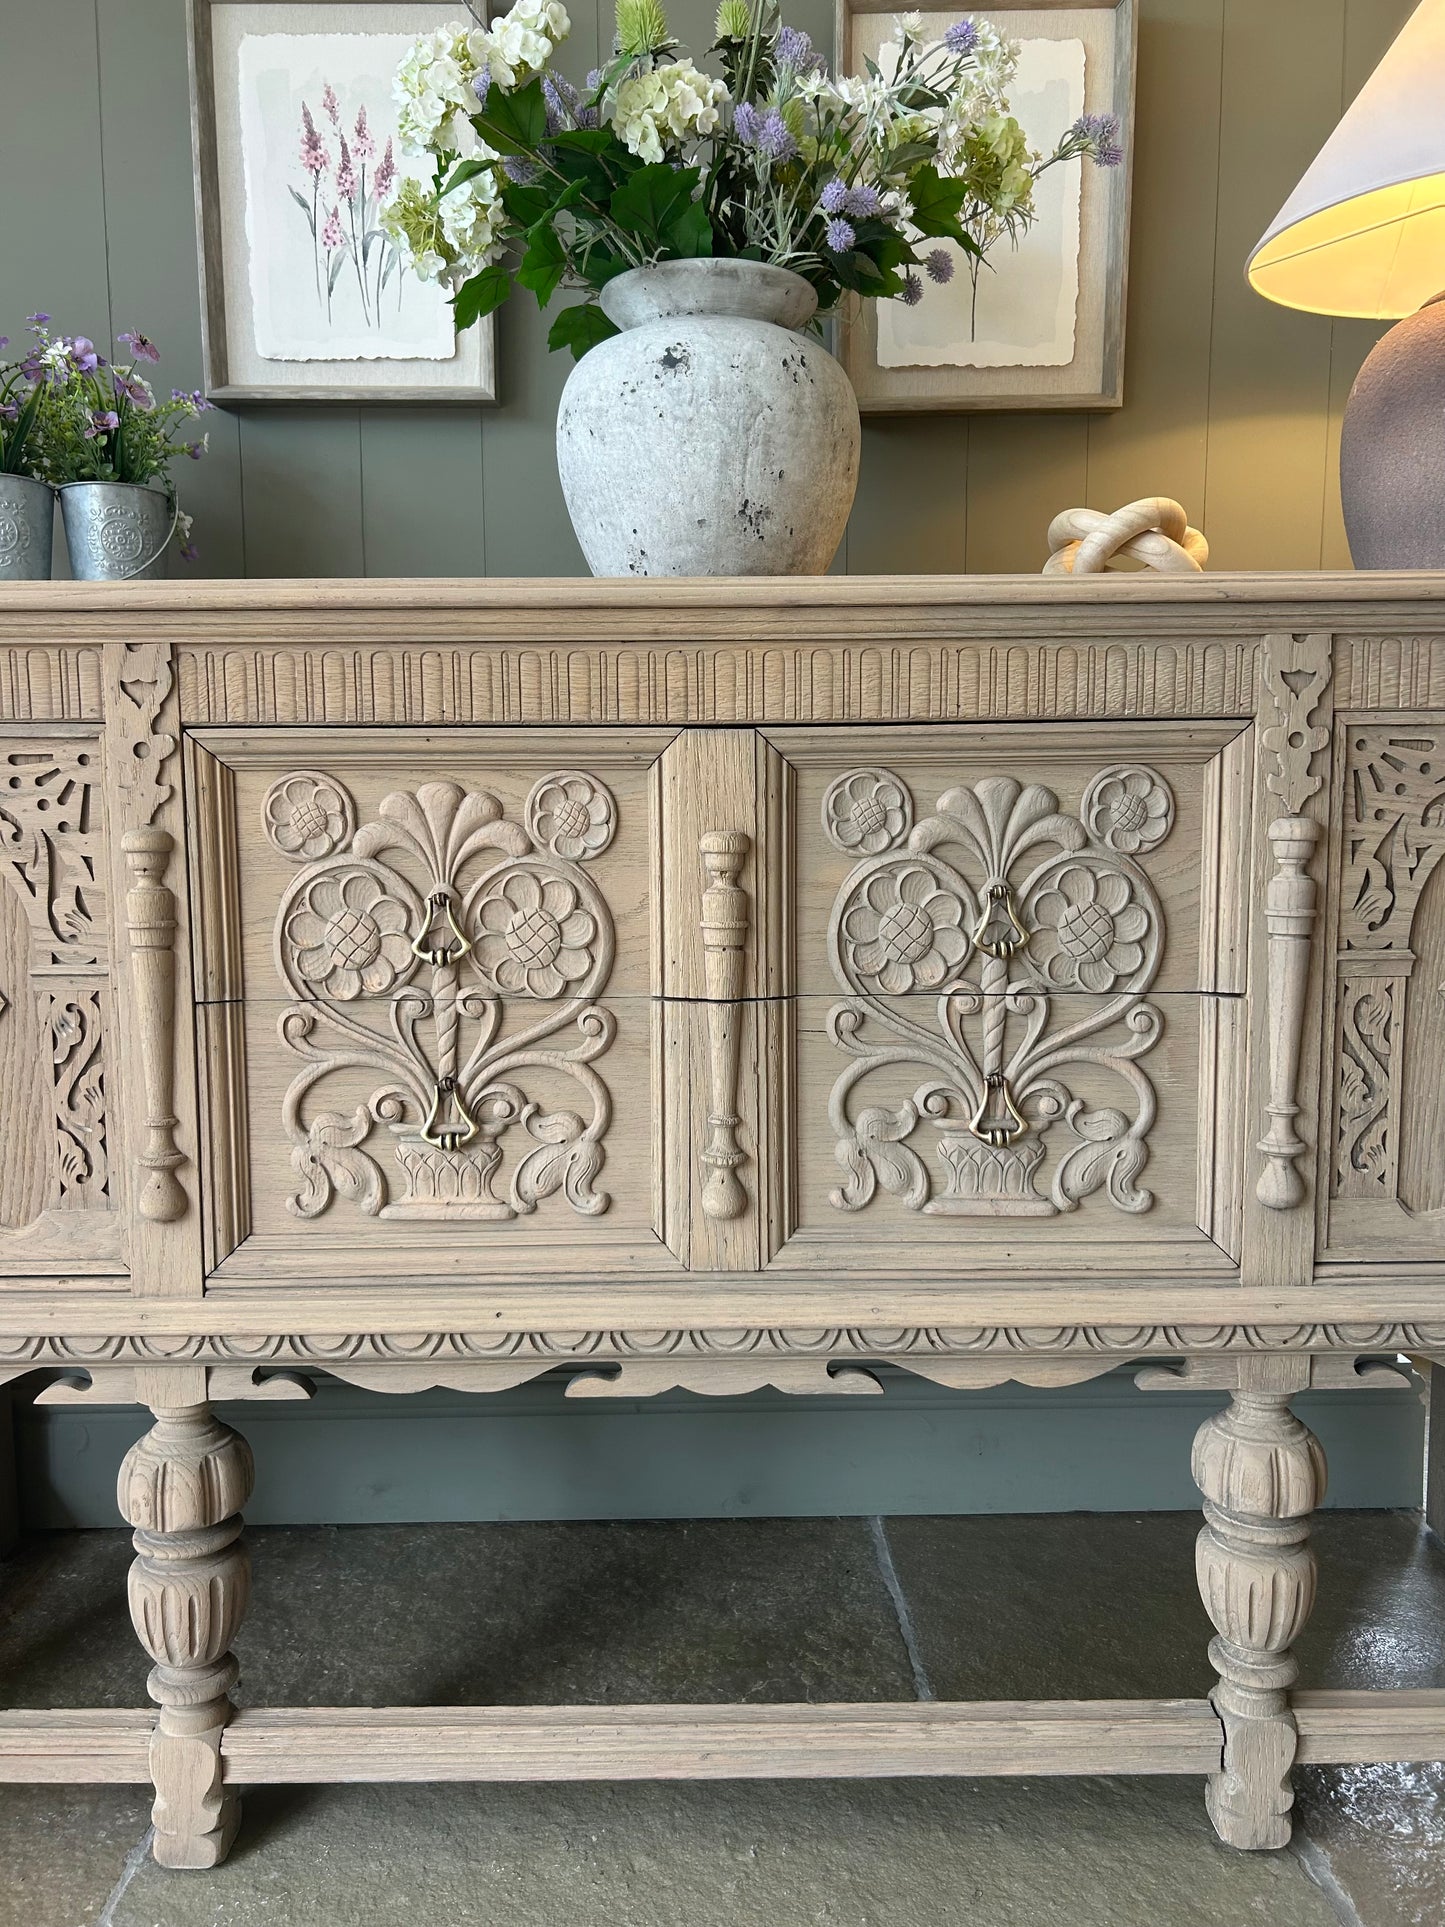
(1040, 324)
(304, 295)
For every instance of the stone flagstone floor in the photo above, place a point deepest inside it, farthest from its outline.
(1073, 1606)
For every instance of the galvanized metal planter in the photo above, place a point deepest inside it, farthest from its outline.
(115, 531)
(27, 521)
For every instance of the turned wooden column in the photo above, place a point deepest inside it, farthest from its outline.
(1262, 1473)
(182, 1487)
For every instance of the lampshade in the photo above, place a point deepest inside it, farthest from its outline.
(1364, 232)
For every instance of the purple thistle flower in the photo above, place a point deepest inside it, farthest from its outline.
(314, 157)
(519, 170)
(834, 198)
(747, 122)
(328, 101)
(593, 80)
(962, 37)
(82, 353)
(794, 48)
(588, 118)
(101, 422)
(561, 100)
(482, 85)
(345, 173)
(385, 173)
(1099, 135)
(141, 346)
(862, 203)
(365, 145)
(839, 235)
(938, 266)
(774, 140)
(912, 290)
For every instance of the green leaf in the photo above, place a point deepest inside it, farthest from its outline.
(514, 123)
(690, 235)
(479, 295)
(936, 203)
(652, 200)
(463, 171)
(580, 328)
(544, 263)
(526, 205)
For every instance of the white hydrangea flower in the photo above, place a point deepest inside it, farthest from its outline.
(432, 89)
(674, 103)
(519, 45)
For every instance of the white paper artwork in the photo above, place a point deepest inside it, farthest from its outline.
(1027, 297)
(319, 157)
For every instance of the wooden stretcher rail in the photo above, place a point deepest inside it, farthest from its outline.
(333, 1744)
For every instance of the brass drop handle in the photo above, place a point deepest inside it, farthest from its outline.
(453, 1136)
(997, 1122)
(438, 955)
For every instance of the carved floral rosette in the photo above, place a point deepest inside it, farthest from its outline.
(450, 956)
(988, 952)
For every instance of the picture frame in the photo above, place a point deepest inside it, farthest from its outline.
(275, 297)
(1084, 53)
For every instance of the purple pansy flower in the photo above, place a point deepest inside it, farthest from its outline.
(36, 321)
(141, 346)
(82, 353)
(101, 422)
(132, 389)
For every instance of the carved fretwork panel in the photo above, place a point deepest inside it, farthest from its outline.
(442, 960)
(1388, 1167)
(55, 1005)
(1025, 960)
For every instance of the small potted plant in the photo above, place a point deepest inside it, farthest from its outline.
(711, 218)
(27, 504)
(107, 444)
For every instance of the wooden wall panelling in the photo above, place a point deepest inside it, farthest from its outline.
(1022, 469)
(1269, 366)
(896, 528)
(421, 490)
(1158, 442)
(151, 256)
(301, 491)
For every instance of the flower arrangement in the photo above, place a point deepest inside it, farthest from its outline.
(861, 185)
(92, 421)
(22, 395)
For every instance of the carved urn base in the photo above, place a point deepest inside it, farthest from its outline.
(448, 1184)
(987, 1183)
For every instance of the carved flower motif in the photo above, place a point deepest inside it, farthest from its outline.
(571, 814)
(904, 930)
(307, 815)
(867, 811)
(349, 936)
(535, 935)
(1090, 929)
(1128, 808)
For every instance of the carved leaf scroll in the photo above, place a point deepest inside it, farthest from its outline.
(957, 939)
(451, 956)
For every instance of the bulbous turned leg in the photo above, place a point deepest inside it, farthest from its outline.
(182, 1487)
(1262, 1473)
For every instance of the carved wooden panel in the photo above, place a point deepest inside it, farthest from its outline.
(1030, 1038)
(442, 952)
(1384, 1125)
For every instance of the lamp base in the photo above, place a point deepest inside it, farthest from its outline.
(1392, 448)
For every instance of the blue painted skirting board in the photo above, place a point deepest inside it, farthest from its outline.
(351, 1457)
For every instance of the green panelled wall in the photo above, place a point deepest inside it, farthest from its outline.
(1233, 405)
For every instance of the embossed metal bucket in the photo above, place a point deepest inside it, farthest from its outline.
(27, 520)
(115, 531)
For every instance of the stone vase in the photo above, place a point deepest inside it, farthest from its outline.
(27, 519)
(115, 531)
(708, 437)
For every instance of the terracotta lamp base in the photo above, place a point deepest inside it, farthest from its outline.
(1392, 448)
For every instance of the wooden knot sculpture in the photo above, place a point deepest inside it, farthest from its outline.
(1153, 530)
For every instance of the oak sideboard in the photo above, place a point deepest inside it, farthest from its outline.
(720, 985)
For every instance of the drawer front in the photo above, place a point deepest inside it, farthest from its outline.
(424, 983)
(1020, 966)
